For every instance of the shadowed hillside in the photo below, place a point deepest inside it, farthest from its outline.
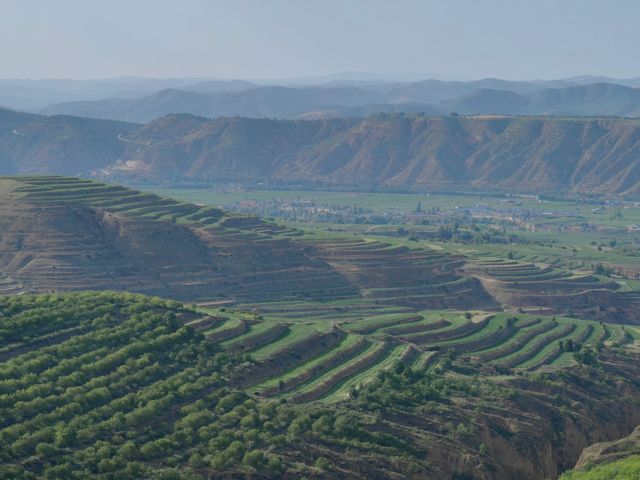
(73, 234)
(60, 233)
(58, 144)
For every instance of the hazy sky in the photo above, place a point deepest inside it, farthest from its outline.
(460, 39)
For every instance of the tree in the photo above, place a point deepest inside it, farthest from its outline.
(299, 426)
(129, 450)
(46, 450)
(322, 425)
(196, 461)
(274, 464)
(254, 458)
(322, 464)
(151, 450)
(586, 355)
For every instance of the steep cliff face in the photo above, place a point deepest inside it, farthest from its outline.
(598, 406)
(610, 451)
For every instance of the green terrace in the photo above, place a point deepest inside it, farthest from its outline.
(323, 358)
(136, 204)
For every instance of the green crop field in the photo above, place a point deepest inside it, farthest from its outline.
(400, 201)
(615, 216)
(367, 346)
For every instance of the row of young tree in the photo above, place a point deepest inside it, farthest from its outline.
(140, 395)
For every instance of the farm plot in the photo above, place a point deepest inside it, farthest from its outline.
(115, 199)
(324, 360)
(89, 235)
(556, 291)
(397, 275)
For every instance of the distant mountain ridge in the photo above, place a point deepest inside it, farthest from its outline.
(33, 95)
(489, 96)
(403, 152)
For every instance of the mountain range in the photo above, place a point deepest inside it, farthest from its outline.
(431, 97)
(402, 152)
(141, 100)
(33, 95)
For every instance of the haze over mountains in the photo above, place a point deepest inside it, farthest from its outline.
(26, 94)
(342, 100)
(142, 100)
(349, 132)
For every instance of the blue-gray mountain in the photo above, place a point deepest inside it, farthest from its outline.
(357, 100)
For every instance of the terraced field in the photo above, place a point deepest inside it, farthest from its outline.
(9, 286)
(60, 233)
(320, 315)
(391, 274)
(141, 242)
(97, 365)
(543, 288)
(323, 358)
(88, 369)
(82, 234)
